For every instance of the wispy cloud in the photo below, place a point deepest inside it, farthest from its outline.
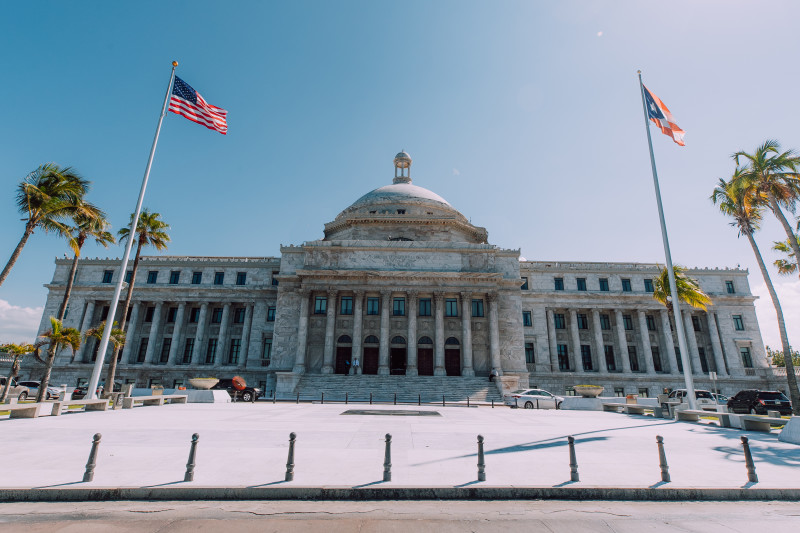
(456, 172)
(18, 324)
(599, 34)
(788, 290)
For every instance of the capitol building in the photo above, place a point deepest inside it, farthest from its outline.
(403, 291)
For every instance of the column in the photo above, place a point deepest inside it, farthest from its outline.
(598, 342)
(438, 351)
(669, 342)
(222, 339)
(200, 335)
(256, 330)
(716, 345)
(647, 352)
(155, 330)
(622, 341)
(177, 335)
(87, 323)
(330, 330)
(383, 353)
(576, 341)
(358, 327)
(551, 339)
(691, 339)
(248, 323)
(494, 333)
(130, 331)
(302, 334)
(466, 334)
(411, 361)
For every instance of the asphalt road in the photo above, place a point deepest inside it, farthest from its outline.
(389, 517)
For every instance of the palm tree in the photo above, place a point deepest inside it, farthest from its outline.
(117, 338)
(689, 291)
(773, 175)
(47, 197)
(788, 265)
(739, 204)
(17, 351)
(90, 222)
(56, 338)
(150, 231)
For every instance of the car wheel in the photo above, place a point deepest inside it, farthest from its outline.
(528, 405)
(247, 396)
(22, 396)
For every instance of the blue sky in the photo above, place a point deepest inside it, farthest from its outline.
(526, 116)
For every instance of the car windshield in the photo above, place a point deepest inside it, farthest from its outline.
(704, 394)
(773, 396)
(520, 391)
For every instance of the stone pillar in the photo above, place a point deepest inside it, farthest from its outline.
(383, 350)
(647, 352)
(358, 328)
(155, 330)
(256, 329)
(599, 346)
(438, 352)
(200, 335)
(87, 323)
(576, 341)
(302, 334)
(177, 335)
(494, 333)
(669, 343)
(248, 323)
(411, 361)
(466, 335)
(716, 345)
(222, 339)
(552, 341)
(622, 341)
(691, 339)
(330, 330)
(130, 331)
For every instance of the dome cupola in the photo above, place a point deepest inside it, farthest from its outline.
(402, 168)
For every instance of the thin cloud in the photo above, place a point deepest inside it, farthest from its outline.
(456, 172)
(788, 290)
(18, 324)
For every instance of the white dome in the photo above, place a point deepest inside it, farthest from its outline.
(399, 192)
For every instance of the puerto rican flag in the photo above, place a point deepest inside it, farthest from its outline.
(660, 115)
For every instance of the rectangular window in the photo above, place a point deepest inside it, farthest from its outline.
(648, 285)
(152, 277)
(633, 358)
(477, 308)
(166, 344)
(651, 322)
(238, 315)
(609, 353)
(586, 356)
(526, 319)
(581, 284)
(604, 284)
(216, 315)
(626, 285)
(558, 319)
(194, 315)
(524, 284)
(729, 287)
(107, 276)
(128, 276)
(424, 307)
(219, 278)
(583, 321)
(271, 313)
(241, 278)
(211, 351)
(703, 362)
(451, 307)
(266, 356)
(373, 307)
(559, 284)
(619, 392)
(346, 305)
(197, 278)
(747, 361)
(529, 355)
(656, 359)
(627, 322)
(399, 307)
(563, 357)
(148, 314)
(605, 323)
(174, 277)
(188, 350)
(275, 277)
(104, 313)
(696, 323)
(569, 391)
(643, 393)
(142, 350)
(738, 323)
(320, 305)
(233, 353)
(171, 313)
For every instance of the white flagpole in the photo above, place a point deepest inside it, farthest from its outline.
(687, 367)
(101, 351)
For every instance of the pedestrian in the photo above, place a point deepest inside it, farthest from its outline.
(355, 366)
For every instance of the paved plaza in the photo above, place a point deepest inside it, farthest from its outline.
(246, 444)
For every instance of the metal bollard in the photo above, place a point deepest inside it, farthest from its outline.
(481, 462)
(298, 398)
(88, 475)
(395, 398)
(492, 403)
(442, 400)
(573, 461)
(322, 401)
(516, 405)
(290, 459)
(370, 398)
(662, 459)
(274, 394)
(419, 399)
(387, 459)
(748, 461)
(345, 398)
(467, 401)
(189, 476)
(537, 403)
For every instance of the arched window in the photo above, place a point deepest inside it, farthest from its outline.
(345, 339)
(371, 339)
(398, 340)
(425, 340)
(452, 341)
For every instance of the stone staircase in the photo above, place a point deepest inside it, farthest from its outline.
(409, 389)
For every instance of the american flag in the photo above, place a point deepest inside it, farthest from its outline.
(660, 115)
(188, 103)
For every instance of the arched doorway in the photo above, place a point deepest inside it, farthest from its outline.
(370, 362)
(397, 356)
(452, 357)
(425, 356)
(344, 349)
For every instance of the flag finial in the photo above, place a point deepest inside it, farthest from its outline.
(639, 72)
(174, 63)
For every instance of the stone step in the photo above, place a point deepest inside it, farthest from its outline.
(407, 388)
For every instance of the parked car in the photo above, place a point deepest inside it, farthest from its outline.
(33, 389)
(533, 399)
(80, 392)
(678, 396)
(20, 391)
(758, 402)
(721, 398)
(248, 394)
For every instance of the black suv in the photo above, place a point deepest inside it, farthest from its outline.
(248, 394)
(758, 402)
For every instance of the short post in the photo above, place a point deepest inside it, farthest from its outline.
(370, 398)
(573, 461)
(387, 459)
(274, 394)
(298, 398)
(419, 399)
(290, 459)
(345, 398)
(322, 399)
(748, 461)
(189, 476)
(662, 459)
(492, 403)
(537, 403)
(481, 462)
(467, 401)
(516, 405)
(395, 398)
(88, 475)
(442, 400)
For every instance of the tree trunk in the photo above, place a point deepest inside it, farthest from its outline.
(71, 280)
(112, 365)
(794, 392)
(16, 254)
(11, 375)
(51, 357)
(776, 210)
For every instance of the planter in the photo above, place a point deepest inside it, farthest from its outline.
(203, 383)
(589, 391)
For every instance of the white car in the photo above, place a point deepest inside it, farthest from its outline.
(33, 387)
(533, 399)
